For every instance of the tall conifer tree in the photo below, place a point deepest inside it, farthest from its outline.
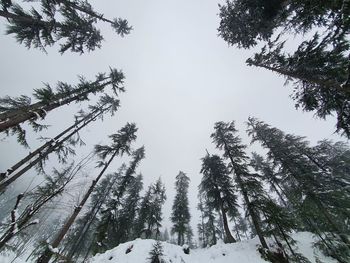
(217, 188)
(180, 216)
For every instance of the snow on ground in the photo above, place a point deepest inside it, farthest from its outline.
(241, 252)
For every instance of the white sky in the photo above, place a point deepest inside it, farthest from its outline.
(180, 79)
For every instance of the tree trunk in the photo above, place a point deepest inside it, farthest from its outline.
(41, 148)
(50, 149)
(46, 256)
(81, 9)
(86, 228)
(27, 215)
(236, 228)
(44, 108)
(229, 237)
(38, 105)
(328, 84)
(251, 210)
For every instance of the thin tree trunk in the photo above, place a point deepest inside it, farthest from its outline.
(86, 228)
(14, 223)
(328, 84)
(286, 239)
(46, 256)
(50, 149)
(253, 215)
(318, 233)
(236, 228)
(278, 193)
(41, 148)
(81, 9)
(28, 213)
(179, 239)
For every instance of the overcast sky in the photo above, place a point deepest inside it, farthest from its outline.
(180, 79)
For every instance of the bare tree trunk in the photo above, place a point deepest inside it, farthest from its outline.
(41, 148)
(328, 83)
(86, 228)
(47, 150)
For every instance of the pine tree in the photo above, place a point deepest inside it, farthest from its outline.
(61, 144)
(155, 255)
(180, 216)
(225, 139)
(217, 188)
(319, 68)
(150, 213)
(319, 72)
(318, 196)
(117, 218)
(16, 111)
(120, 144)
(69, 22)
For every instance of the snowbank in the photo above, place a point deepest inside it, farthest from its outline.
(242, 252)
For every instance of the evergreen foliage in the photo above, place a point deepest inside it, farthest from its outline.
(150, 214)
(317, 195)
(180, 216)
(16, 111)
(225, 139)
(155, 255)
(320, 66)
(116, 219)
(68, 22)
(217, 189)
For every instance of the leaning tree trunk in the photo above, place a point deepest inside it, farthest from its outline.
(86, 228)
(46, 256)
(251, 210)
(50, 147)
(289, 74)
(41, 108)
(42, 148)
(229, 237)
(26, 216)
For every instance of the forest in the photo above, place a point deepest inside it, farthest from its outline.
(75, 177)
